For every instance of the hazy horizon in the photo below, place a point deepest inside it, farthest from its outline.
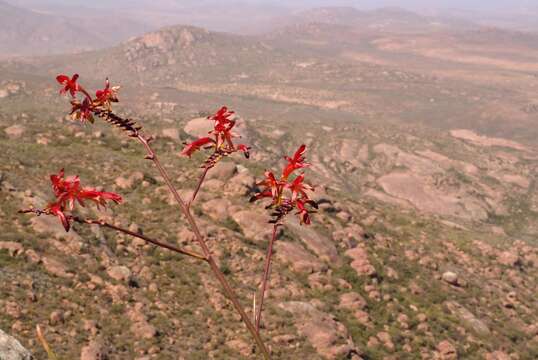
(414, 5)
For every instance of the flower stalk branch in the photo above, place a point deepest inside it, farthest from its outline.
(103, 223)
(265, 279)
(198, 186)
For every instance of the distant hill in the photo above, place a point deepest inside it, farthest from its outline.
(27, 32)
(390, 19)
(167, 56)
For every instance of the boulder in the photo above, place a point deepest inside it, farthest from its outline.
(171, 133)
(297, 257)
(224, 170)
(254, 224)
(450, 277)
(360, 262)
(119, 273)
(11, 349)
(447, 351)
(95, 350)
(217, 208)
(15, 131)
(329, 337)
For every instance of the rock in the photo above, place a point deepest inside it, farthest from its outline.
(509, 258)
(15, 131)
(144, 330)
(321, 245)
(198, 127)
(56, 318)
(467, 318)
(171, 133)
(95, 350)
(254, 224)
(140, 327)
(450, 277)
(497, 355)
(386, 340)
(130, 182)
(51, 225)
(360, 262)
(240, 184)
(329, 337)
(240, 346)
(447, 351)
(55, 267)
(224, 170)
(11, 349)
(13, 309)
(13, 248)
(119, 273)
(352, 301)
(297, 257)
(217, 208)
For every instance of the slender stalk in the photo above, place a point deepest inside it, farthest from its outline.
(265, 278)
(145, 238)
(125, 231)
(213, 265)
(200, 182)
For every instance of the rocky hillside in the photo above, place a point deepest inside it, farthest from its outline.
(389, 268)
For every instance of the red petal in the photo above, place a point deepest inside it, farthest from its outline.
(195, 145)
(62, 79)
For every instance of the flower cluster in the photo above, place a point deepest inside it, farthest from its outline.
(84, 110)
(220, 139)
(285, 194)
(68, 192)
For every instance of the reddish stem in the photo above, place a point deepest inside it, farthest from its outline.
(122, 230)
(265, 279)
(229, 292)
(146, 239)
(200, 182)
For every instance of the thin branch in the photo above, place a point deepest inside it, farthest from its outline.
(146, 239)
(122, 230)
(265, 278)
(200, 182)
(229, 292)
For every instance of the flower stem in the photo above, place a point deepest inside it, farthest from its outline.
(200, 182)
(143, 237)
(265, 278)
(230, 294)
(122, 230)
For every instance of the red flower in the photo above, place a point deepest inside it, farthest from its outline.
(245, 149)
(108, 94)
(57, 210)
(196, 145)
(271, 184)
(296, 162)
(222, 116)
(303, 213)
(223, 138)
(98, 197)
(82, 111)
(68, 190)
(69, 84)
(298, 188)
(287, 195)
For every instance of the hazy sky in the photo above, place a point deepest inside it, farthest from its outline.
(483, 5)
